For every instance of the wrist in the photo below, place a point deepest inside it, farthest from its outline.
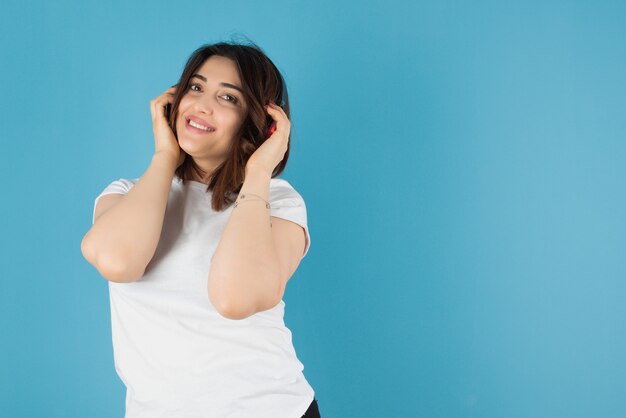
(166, 161)
(257, 171)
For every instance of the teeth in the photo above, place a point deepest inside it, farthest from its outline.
(197, 125)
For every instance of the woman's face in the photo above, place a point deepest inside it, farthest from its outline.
(212, 100)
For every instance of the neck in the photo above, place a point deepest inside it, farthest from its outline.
(207, 166)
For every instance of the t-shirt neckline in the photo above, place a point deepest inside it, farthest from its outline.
(193, 183)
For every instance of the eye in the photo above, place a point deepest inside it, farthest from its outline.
(233, 98)
(191, 86)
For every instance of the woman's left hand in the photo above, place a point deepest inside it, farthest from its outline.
(272, 151)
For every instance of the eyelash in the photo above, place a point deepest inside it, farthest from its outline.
(234, 101)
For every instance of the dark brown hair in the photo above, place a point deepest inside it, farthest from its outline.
(261, 83)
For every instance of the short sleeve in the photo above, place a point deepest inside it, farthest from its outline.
(286, 203)
(121, 186)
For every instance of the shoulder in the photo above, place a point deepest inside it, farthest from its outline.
(110, 195)
(281, 189)
(121, 185)
(278, 182)
(286, 202)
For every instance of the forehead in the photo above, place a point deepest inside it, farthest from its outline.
(220, 69)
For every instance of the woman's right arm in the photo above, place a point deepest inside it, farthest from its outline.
(124, 238)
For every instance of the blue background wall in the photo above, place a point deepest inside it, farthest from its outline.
(463, 169)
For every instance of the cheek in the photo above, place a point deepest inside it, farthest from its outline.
(183, 106)
(228, 118)
(237, 116)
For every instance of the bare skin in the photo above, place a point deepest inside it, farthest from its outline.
(126, 230)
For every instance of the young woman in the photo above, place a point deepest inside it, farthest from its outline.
(199, 249)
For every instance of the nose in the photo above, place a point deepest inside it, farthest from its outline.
(205, 104)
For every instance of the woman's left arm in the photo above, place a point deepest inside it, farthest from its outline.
(249, 271)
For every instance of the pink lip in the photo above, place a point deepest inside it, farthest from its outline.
(195, 130)
(200, 121)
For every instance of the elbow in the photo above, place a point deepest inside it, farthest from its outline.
(109, 266)
(233, 311)
(87, 249)
(239, 306)
(227, 307)
(118, 273)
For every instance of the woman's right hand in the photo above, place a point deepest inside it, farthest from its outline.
(165, 141)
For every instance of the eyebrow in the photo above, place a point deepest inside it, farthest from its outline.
(232, 86)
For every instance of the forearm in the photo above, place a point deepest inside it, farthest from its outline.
(245, 263)
(125, 237)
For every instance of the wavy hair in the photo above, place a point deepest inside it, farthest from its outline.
(261, 83)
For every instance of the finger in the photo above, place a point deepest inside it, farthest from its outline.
(163, 99)
(282, 121)
(276, 112)
(275, 107)
(168, 93)
(155, 104)
(157, 107)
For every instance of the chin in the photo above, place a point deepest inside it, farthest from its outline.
(192, 153)
(182, 143)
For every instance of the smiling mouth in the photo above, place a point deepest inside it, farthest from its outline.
(197, 126)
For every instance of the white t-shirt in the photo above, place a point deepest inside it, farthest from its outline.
(177, 356)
